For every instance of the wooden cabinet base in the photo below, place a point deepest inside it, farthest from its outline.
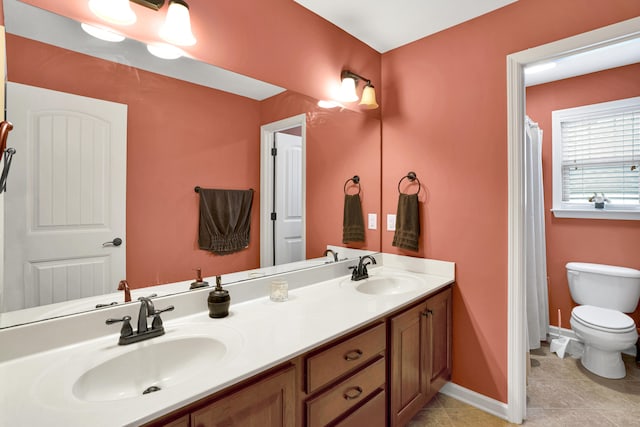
(268, 403)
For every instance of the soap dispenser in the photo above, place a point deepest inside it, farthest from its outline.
(218, 301)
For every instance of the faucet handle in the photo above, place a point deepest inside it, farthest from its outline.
(126, 330)
(157, 320)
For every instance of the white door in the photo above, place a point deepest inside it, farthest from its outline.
(66, 196)
(289, 243)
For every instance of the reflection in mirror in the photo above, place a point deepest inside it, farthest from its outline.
(179, 135)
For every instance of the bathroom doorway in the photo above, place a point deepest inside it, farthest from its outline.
(516, 97)
(283, 195)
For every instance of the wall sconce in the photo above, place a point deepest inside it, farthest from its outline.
(175, 30)
(348, 90)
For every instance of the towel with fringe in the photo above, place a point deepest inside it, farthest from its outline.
(352, 222)
(407, 223)
(225, 220)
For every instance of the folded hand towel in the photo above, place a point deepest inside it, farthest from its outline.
(225, 220)
(407, 222)
(352, 222)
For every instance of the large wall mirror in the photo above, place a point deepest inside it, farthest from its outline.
(181, 132)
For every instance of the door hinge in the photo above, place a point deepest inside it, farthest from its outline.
(274, 151)
(273, 216)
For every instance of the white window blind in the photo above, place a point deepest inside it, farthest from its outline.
(602, 155)
(597, 150)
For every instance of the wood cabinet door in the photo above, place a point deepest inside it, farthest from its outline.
(408, 380)
(439, 331)
(267, 403)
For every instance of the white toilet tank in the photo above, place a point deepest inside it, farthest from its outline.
(607, 286)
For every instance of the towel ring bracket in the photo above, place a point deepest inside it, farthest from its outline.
(355, 180)
(412, 177)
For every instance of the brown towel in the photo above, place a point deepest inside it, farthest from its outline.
(352, 222)
(225, 220)
(407, 222)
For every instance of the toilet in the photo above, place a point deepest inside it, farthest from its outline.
(605, 293)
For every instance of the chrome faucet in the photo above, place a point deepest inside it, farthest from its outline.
(360, 271)
(335, 254)
(128, 336)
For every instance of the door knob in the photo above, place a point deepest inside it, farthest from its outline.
(115, 242)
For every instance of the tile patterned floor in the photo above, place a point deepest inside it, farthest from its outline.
(560, 393)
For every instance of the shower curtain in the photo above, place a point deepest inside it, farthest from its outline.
(535, 247)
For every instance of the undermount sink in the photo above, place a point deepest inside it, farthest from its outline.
(151, 367)
(384, 282)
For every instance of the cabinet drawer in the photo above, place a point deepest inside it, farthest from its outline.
(346, 394)
(343, 357)
(371, 414)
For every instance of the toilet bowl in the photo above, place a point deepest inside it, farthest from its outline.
(605, 293)
(605, 333)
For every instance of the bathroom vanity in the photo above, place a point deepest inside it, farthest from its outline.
(347, 382)
(338, 352)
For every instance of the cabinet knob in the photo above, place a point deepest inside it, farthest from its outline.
(353, 393)
(353, 355)
(427, 313)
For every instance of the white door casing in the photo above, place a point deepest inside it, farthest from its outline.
(267, 138)
(66, 196)
(289, 242)
(516, 102)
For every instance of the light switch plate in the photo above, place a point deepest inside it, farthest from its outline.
(391, 222)
(373, 221)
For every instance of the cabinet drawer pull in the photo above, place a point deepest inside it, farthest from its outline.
(353, 355)
(427, 313)
(352, 393)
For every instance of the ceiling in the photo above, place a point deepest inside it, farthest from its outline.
(387, 24)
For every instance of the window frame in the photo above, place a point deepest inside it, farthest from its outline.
(562, 209)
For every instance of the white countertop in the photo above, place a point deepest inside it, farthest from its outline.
(36, 389)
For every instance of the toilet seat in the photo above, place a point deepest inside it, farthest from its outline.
(603, 319)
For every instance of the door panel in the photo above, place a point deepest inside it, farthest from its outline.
(66, 197)
(288, 234)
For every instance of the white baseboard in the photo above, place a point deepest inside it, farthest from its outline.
(480, 401)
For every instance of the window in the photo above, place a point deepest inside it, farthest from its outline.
(596, 151)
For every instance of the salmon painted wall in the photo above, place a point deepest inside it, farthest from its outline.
(445, 117)
(612, 242)
(340, 144)
(179, 135)
(277, 41)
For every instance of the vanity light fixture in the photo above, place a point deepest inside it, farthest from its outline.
(348, 90)
(176, 28)
(101, 33)
(116, 12)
